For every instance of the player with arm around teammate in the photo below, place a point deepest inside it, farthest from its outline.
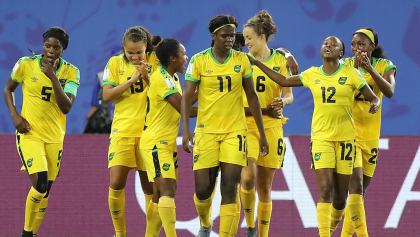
(49, 85)
(333, 132)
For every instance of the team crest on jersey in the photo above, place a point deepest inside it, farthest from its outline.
(166, 166)
(34, 79)
(29, 163)
(149, 69)
(276, 69)
(63, 82)
(196, 158)
(342, 80)
(317, 156)
(237, 68)
(317, 81)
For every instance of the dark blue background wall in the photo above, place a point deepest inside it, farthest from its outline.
(95, 26)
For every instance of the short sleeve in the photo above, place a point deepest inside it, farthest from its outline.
(111, 72)
(17, 74)
(391, 66)
(358, 80)
(194, 70)
(304, 77)
(248, 71)
(166, 87)
(73, 81)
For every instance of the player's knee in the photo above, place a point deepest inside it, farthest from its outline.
(248, 181)
(117, 184)
(325, 193)
(203, 192)
(264, 189)
(42, 182)
(356, 186)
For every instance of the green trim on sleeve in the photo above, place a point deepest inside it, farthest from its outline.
(391, 67)
(170, 93)
(249, 75)
(71, 87)
(361, 86)
(191, 79)
(11, 76)
(110, 83)
(301, 79)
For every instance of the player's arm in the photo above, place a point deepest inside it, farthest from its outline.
(175, 100)
(291, 65)
(254, 106)
(269, 111)
(278, 78)
(9, 97)
(375, 102)
(64, 100)
(112, 92)
(186, 105)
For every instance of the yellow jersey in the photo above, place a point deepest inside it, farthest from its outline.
(130, 107)
(220, 103)
(333, 100)
(368, 126)
(162, 119)
(39, 104)
(267, 89)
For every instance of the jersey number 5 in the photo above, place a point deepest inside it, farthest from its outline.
(329, 99)
(46, 95)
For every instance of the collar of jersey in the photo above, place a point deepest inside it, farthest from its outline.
(59, 65)
(167, 73)
(269, 58)
(227, 59)
(322, 70)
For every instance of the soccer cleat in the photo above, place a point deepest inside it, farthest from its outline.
(251, 232)
(27, 234)
(204, 231)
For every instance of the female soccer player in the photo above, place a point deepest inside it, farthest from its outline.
(49, 85)
(379, 73)
(220, 73)
(333, 131)
(125, 82)
(258, 31)
(158, 143)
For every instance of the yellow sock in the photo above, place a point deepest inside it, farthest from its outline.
(235, 225)
(264, 216)
(357, 214)
(323, 213)
(33, 201)
(148, 198)
(336, 216)
(348, 229)
(167, 214)
(116, 200)
(40, 216)
(227, 214)
(154, 223)
(204, 210)
(248, 201)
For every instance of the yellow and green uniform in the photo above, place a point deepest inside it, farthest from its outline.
(333, 131)
(267, 90)
(40, 109)
(129, 113)
(221, 124)
(368, 126)
(161, 127)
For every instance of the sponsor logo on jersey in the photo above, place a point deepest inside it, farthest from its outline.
(317, 81)
(34, 79)
(115, 212)
(276, 69)
(317, 156)
(121, 72)
(35, 200)
(196, 158)
(111, 156)
(166, 166)
(248, 210)
(237, 68)
(29, 163)
(342, 80)
(263, 222)
(149, 69)
(163, 143)
(209, 72)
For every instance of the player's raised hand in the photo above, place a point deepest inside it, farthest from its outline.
(49, 67)
(252, 60)
(263, 146)
(357, 59)
(187, 139)
(143, 68)
(365, 63)
(21, 124)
